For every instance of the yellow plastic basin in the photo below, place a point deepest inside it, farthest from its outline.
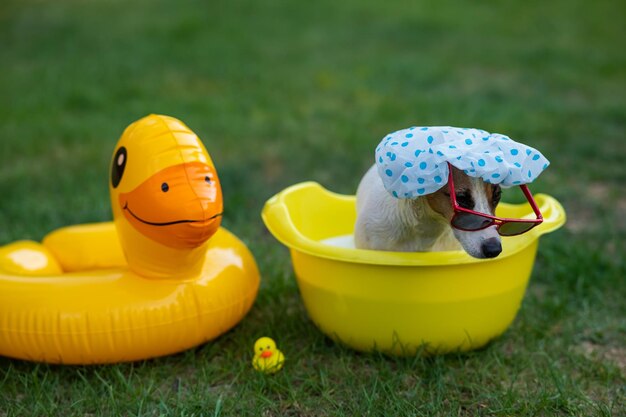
(398, 302)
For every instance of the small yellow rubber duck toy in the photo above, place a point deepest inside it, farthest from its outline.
(267, 358)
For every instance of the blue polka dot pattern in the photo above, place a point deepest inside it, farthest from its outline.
(412, 162)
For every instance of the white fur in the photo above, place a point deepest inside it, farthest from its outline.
(410, 225)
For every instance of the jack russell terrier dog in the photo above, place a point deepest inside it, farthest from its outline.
(404, 204)
(423, 223)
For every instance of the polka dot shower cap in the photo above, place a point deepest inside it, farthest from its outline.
(412, 162)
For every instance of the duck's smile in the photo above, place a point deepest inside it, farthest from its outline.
(180, 206)
(168, 223)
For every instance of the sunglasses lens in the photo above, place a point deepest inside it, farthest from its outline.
(467, 221)
(515, 228)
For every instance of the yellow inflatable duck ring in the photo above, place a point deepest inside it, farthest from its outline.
(162, 278)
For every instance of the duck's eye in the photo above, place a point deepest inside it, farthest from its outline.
(118, 165)
(268, 347)
(207, 179)
(261, 349)
(164, 187)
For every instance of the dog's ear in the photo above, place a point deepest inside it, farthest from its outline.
(439, 202)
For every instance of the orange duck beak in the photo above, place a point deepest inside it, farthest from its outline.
(180, 206)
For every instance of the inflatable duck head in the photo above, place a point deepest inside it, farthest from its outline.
(166, 196)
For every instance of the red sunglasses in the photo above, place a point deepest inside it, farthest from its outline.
(471, 221)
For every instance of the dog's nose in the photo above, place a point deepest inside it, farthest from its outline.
(491, 247)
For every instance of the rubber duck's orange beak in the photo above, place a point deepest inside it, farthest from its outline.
(266, 354)
(180, 206)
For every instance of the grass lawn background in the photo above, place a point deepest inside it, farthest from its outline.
(286, 91)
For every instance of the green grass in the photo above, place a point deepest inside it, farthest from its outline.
(284, 91)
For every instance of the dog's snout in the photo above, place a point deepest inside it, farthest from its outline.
(491, 248)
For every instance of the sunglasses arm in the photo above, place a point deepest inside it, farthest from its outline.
(531, 200)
